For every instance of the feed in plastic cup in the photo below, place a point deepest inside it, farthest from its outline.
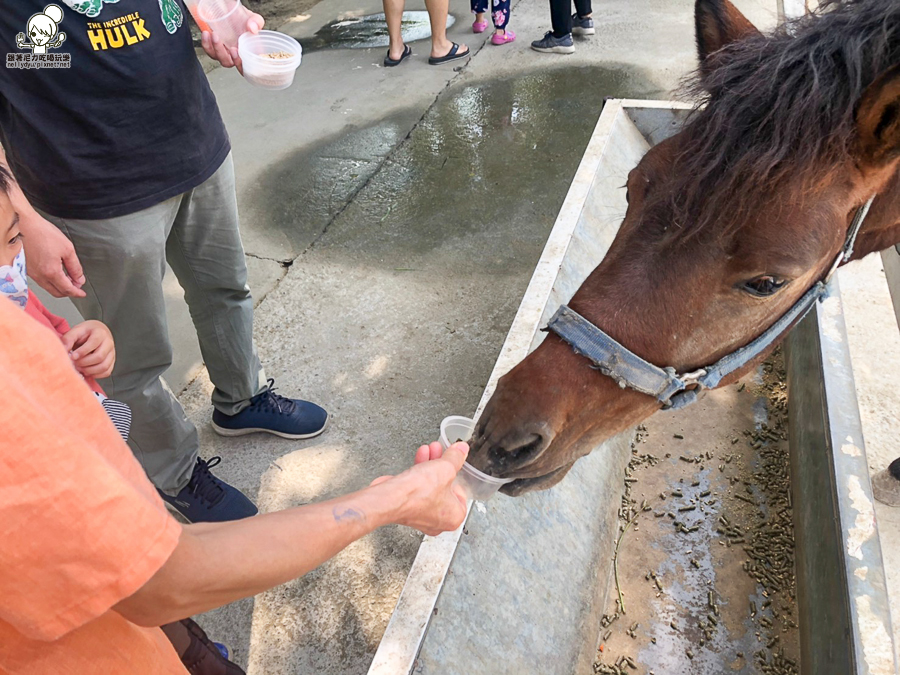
(476, 484)
(269, 58)
(226, 18)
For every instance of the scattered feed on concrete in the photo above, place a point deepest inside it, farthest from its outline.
(710, 589)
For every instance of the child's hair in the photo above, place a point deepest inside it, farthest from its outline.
(5, 179)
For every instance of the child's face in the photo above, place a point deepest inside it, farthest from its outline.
(11, 243)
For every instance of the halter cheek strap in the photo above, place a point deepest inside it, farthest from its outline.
(675, 390)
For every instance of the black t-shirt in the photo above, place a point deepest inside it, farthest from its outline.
(129, 123)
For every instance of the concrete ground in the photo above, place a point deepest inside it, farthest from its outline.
(392, 219)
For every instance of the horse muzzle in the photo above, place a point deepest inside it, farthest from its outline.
(510, 453)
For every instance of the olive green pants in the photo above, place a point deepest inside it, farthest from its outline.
(124, 261)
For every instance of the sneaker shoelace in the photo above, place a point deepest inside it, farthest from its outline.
(269, 401)
(204, 484)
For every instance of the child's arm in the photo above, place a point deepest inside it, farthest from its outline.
(91, 346)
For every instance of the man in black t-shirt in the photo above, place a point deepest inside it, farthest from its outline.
(115, 138)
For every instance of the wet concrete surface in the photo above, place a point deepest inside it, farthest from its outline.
(486, 157)
(368, 31)
(668, 576)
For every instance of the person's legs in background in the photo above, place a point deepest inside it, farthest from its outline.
(561, 17)
(582, 23)
(558, 40)
(500, 15)
(437, 13)
(479, 9)
(393, 15)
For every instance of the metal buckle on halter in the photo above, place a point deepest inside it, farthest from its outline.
(694, 378)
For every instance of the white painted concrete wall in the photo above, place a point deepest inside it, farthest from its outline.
(874, 341)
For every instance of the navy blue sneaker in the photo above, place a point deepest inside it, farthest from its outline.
(274, 414)
(554, 45)
(206, 499)
(582, 26)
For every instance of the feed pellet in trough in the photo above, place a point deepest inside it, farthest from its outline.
(728, 601)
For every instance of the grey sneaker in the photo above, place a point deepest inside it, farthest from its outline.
(554, 45)
(582, 26)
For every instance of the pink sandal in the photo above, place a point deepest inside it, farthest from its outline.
(507, 37)
(479, 26)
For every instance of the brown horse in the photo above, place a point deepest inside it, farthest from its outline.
(728, 223)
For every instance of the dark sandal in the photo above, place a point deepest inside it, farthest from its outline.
(452, 55)
(390, 63)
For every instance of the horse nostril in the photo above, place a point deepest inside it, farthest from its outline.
(525, 452)
(515, 453)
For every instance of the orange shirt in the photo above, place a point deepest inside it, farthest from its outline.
(81, 527)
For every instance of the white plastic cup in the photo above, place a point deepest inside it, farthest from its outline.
(263, 71)
(226, 18)
(476, 484)
(456, 428)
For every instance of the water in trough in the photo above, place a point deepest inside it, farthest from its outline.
(705, 561)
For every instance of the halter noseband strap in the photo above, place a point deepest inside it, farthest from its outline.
(671, 389)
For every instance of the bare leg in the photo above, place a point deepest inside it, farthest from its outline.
(393, 13)
(437, 13)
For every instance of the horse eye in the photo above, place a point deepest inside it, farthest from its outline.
(763, 286)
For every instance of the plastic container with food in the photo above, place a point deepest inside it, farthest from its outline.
(476, 484)
(269, 58)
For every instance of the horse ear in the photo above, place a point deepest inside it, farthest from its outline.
(878, 120)
(719, 23)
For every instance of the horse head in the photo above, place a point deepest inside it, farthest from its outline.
(728, 224)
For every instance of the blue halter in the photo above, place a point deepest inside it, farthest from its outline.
(673, 390)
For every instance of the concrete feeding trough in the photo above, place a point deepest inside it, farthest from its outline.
(522, 587)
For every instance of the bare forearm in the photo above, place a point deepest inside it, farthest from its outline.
(217, 564)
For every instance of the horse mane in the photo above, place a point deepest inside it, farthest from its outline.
(775, 108)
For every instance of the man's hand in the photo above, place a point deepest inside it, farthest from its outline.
(433, 503)
(228, 56)
(91, 346)
(51, 257)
